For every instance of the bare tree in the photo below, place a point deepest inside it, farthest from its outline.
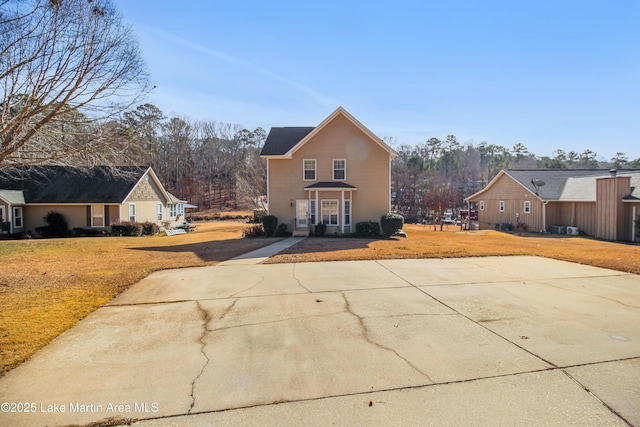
(64, 65)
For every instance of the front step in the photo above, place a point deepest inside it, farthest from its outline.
(301, 232)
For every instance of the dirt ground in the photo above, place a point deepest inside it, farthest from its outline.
(47, 286)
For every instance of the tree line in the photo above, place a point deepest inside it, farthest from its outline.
(436, 175)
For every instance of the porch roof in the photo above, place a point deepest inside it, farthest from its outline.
(330, 186)
(12, 197)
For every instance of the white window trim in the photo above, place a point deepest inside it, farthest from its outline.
(129, 212)
(160, 211)
(97, 211)
(18, 214)
(315, 169)
(337, 212)
(527, 206)
(333, 170)
(481, 205)
(501, 206)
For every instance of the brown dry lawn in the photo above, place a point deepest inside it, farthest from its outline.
(46, 286)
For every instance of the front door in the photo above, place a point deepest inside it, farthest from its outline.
(302, 212)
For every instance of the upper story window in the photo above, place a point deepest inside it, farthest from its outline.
(309, 169)
(527, 206)
(481, 205)
(501, 206)
(339, 169)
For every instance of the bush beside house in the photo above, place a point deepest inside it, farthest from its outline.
(367, 229)
(391, 223)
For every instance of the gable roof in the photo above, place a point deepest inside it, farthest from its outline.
(283, 142)
(64, 184)
(559, 184)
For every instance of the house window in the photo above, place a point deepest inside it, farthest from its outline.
(481, 205)
(159, 211)
(312, 211)
(347, 212)
(17, 217)
(501, 205)
(172, 210)
(132, 212)
(309, 168)
(97, 215)
(339, 169)
(527, 206)
(330, 212)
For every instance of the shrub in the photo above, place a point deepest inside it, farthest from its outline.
(269, 222)
(149, 228)
(391, 222)
(320, 229)
(367, 229)
(126, 228)
(281, 231)
(56, 226)
(253, 231)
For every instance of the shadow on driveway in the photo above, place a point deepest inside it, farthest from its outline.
(215, 250)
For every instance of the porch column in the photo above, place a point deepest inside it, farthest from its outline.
(342, 203)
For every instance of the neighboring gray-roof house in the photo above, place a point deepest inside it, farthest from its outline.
(87, 197)
(598, 202)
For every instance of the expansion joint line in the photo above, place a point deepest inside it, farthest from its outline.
(553, 365)
(469, 318)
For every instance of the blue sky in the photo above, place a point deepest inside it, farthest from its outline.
(547, 74)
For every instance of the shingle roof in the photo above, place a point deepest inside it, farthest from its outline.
(568, 184)
(63, 184)
(282, 139)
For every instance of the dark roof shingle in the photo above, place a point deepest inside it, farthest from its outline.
(63, 184)
(282, 139)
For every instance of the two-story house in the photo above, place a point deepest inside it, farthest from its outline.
(337, 173)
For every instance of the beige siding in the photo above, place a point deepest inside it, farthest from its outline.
(146, 196)
(514, 196)
(367, 168)
(74, 215)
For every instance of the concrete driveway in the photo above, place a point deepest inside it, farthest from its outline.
(475, 341)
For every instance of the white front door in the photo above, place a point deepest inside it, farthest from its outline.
(302, 212)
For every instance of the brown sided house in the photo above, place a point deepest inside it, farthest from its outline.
(88, 198)
(337, 173)
(600, 203)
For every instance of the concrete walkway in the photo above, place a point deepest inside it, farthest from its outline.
(473, 341)
(259, 255)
